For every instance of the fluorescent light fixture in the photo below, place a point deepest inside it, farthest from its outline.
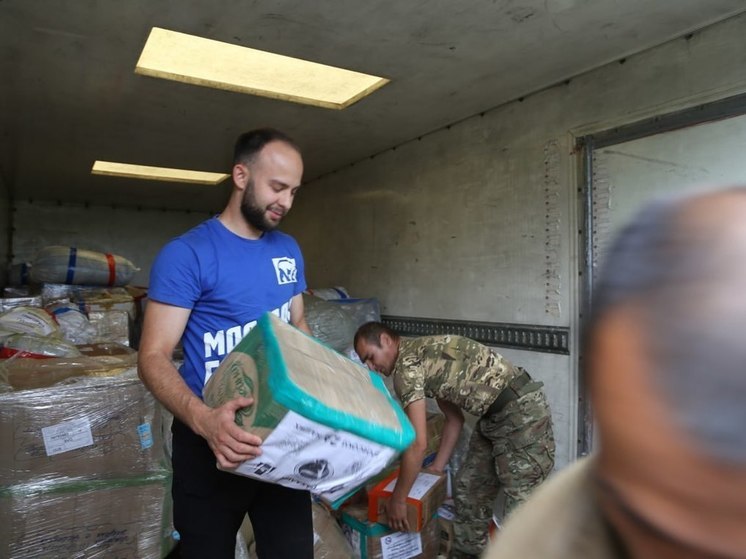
(199, 61)
(155, 173)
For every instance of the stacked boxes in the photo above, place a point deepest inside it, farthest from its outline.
(426, 495)
(87, 430)
(371, 540)
(123, 519)
(83, 471)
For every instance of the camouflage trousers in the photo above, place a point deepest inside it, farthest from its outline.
(510, 451)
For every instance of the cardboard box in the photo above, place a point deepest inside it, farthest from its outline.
(370, 540)
(426, 495)
(446, 516)
(122, 519)
(328, 424)
(328, 539)
(97, 428)
(435, 422)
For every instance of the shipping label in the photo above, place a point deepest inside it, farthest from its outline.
(304, 454)
(67, 436)
(401, 545)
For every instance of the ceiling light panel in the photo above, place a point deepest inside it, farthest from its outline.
(156, 173)
(190, 59)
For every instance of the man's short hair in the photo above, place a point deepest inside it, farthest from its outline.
(685, 273)
(249, 144)
(370, 332)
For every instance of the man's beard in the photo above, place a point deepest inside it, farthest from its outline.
(252, 213)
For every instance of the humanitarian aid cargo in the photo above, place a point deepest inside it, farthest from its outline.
(427, 494)
(328, 424)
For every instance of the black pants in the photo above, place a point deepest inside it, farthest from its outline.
(209, 507)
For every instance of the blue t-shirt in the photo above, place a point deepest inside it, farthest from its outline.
(228, 282)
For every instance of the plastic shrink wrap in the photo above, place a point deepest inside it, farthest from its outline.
(74, 324)
(335, 322)
(71, 265)
(83, 471)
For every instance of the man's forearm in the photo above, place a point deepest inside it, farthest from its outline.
(411, 464)
(164, 381)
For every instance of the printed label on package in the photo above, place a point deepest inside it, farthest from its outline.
(422, 485)
(146, 436)
(66, 436)
(307, 455)
(401, 545)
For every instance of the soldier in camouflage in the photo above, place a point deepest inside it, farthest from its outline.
(512, 447)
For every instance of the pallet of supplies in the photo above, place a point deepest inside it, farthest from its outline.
(327, 423)
(107, 427)
(118, 518)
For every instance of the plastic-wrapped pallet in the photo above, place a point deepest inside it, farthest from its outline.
(123, 518)
(107, 427)
(71, 265)
(327, 423)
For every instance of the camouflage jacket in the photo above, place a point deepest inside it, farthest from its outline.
(451, 368)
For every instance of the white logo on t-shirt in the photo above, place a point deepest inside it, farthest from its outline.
(285, 270)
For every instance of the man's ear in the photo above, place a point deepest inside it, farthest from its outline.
(384, 340)
(241, 175)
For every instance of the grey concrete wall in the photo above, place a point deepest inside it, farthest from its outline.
(136, 235)
(480, 220)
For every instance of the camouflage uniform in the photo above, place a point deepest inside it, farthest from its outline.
(512, 447)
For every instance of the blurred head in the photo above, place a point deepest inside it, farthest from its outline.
(666, 363)
(268, 167)
(377, 346)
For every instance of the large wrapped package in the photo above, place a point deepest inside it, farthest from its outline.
(327, 424)
(335, 321)
(71, 265)
(370, 540)
(107, 427)
(101, 519)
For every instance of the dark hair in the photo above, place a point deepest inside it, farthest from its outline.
(249, 144)
(684, 270)
(370, 332)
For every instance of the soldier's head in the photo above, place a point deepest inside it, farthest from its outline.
(666, 364)
(377, 345)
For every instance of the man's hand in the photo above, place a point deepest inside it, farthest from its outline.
(396, 513)
(231, 444)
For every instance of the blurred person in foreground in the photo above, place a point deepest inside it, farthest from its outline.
(207, 288)
(512, 446)
(666, 366)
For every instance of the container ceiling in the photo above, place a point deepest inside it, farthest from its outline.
(69, 94)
